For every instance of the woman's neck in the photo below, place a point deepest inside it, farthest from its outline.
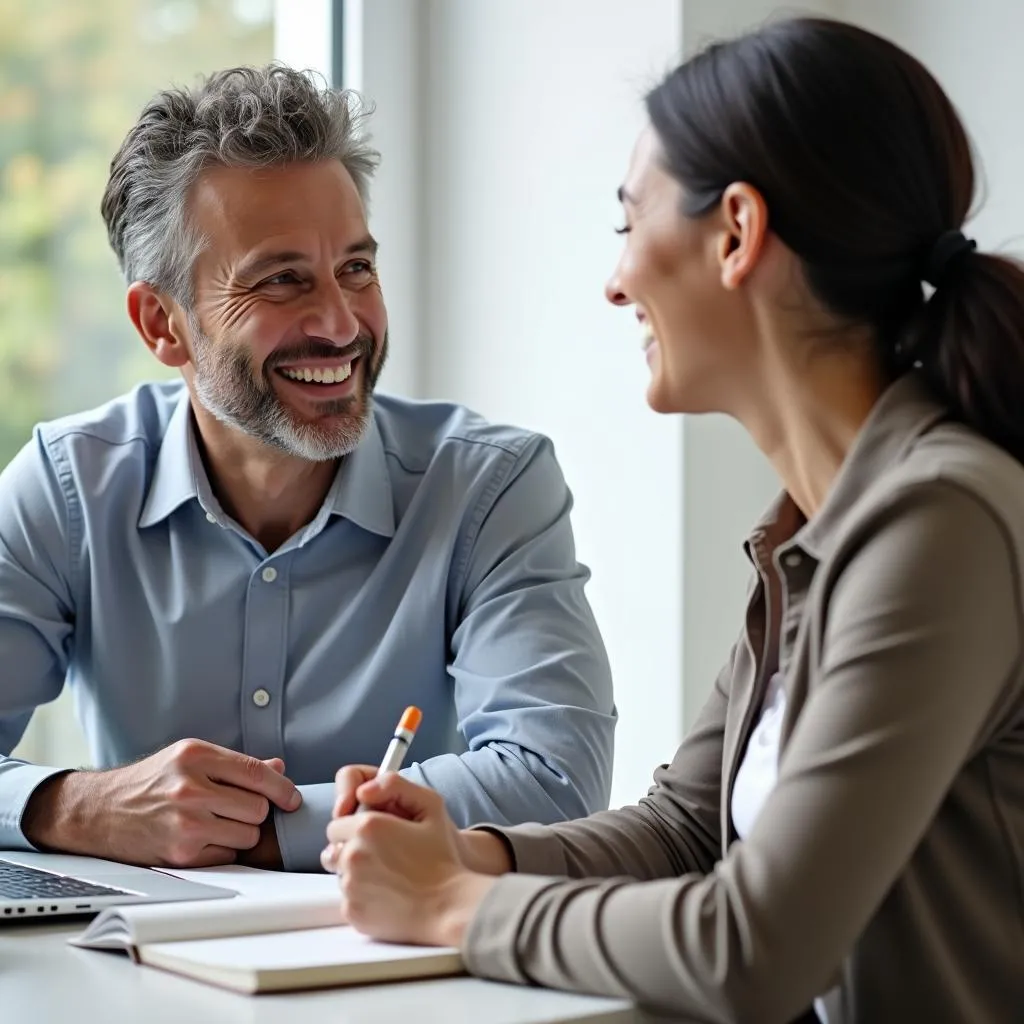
(808, 419)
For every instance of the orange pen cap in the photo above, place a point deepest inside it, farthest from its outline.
(411, 718)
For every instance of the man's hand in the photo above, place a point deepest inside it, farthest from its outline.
(193, 804)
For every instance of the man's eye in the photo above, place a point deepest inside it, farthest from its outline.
(359, 267)
(285, 277)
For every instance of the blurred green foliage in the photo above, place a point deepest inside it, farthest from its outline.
(74, 75)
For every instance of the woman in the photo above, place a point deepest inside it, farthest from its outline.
(844, 827)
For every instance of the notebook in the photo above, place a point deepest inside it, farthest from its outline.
(261, 945)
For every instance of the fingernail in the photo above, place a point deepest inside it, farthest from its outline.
(295, 801)
(328, 856)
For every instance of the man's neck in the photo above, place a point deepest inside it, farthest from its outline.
(271, 494)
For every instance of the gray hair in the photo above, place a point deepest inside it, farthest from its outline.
(241, 117)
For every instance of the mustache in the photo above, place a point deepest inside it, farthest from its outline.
(318, 348)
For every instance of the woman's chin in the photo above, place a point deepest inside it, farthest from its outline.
(658, 397)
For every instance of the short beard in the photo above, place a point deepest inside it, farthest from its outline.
(234, 392)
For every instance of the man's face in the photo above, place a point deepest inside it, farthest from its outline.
(289, 329)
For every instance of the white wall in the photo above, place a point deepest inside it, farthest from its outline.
(531, 109)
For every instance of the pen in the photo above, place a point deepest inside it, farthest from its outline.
(404, 733)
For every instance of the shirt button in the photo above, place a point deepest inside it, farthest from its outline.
(261, 698)
(793, 559)
(210, 517)
(269, 574)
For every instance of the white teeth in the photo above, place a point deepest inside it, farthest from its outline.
(320, 376)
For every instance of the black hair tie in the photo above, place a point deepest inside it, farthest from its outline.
(946, 255)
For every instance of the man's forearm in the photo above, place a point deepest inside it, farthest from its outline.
(499, 784)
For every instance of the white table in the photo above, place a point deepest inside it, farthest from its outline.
(45, 981)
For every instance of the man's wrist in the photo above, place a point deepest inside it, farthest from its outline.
(50, 816)
(267, 851)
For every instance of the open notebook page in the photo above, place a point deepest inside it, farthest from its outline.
(314, 947)
(260, 884)
(128, 926)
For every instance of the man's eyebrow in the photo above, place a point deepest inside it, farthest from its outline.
(261, 264)
(257, 266)
(367, 244)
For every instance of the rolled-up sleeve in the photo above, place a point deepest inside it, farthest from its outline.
(920, 661)
(532, 683)
(36, 617)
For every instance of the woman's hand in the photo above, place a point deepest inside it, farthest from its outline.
(403, 878)
(479, 851)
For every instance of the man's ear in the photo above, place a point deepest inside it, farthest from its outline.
(745, 226)
(160, 322)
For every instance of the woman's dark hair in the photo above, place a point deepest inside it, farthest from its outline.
(864, 166)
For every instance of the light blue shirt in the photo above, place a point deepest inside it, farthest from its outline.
(440, 571)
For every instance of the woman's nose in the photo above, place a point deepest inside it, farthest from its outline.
(614, 293)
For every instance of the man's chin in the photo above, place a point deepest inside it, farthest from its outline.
(328, 414)
(329, 435)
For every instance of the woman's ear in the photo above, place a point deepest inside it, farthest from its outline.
(744, 227)
(160, 323)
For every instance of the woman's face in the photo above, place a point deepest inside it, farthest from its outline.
(695, 328)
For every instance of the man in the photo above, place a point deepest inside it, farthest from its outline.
(245, 577)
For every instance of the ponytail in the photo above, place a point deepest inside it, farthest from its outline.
(968, 342)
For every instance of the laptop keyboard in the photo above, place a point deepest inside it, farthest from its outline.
(18, 882)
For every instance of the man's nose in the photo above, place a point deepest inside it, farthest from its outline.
(330, 316)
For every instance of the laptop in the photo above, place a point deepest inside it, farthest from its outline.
(52, 884)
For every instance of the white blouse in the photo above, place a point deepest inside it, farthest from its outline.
(759, 768)
(757, 774)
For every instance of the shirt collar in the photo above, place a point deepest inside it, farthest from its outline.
(174, 474)
(901, 415)
(361, 491)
